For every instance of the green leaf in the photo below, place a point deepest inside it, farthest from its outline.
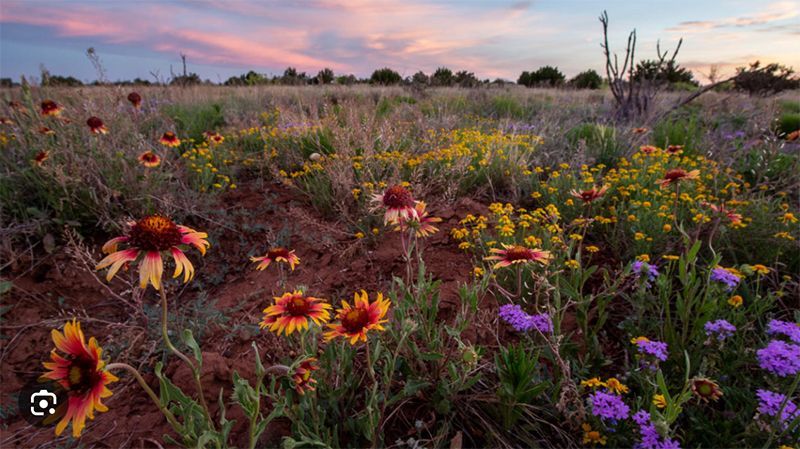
(5, 286)
(189, 340)
(260, 371)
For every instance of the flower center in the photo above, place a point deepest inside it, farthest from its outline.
(49, 105)
(518, 253)
(298, 306)
(169, 135)
(275, 253)
(149, 157)
(94, 122)
(134, 98)
(397, 197)
(82, 375)
(155, 233)
(355, 320)
(675, 174)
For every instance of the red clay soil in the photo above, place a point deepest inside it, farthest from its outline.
(60, 288)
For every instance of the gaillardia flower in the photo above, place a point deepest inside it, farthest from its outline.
(588, 196)
(278, 254)
(96, 125)
(293, 311)
(82, 373)
(169, 139)
(51, 108)
(150, 237)
(422, 224)
(356, 320)
(135, 99)
(518, 254)
(41, 157)
(45, 131)
(214, 137)
(706, 389)
(398, 203)
(149, 159)
(302, 376)
(676, 175)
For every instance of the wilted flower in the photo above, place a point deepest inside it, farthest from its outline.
(150, 237)
(719, 329)
(676, 175)
(518, 254)
(294, 311)
(82, 373)
(278, 254)
(169, 139)
(149, 159)
(724, 275)
(589, 196)
(422, 223)
(135, 99)
(302, 376)
(523, 322)
(356, 320)
(51, 108)
(786, 328)
(608, 406)
(96, 126)
(398, 203)
(780, 358)
(705, 389)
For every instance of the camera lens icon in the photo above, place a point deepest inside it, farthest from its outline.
(43, 403)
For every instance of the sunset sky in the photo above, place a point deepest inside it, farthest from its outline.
(491, 38)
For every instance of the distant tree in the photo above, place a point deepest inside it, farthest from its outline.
(6, 82)
(663, 72)
(466, 79)
(292, 77)
(524, 79)
(766, 80)
(442, 77)
(420, 79)
(589, 79)
(325, 76)
(547, 76)
(385, 76)
(346, 80)
(61, 81)
(191, 79)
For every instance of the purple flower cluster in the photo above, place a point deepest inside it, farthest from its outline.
(650, 437)
(652, 351)
(786, 328)
(719, 329)
(608, 406)
(642, 268)
(523, 322)
(720, 274)
(769, 404)
(780, 358)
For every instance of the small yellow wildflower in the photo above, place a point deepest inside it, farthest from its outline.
(659, 401)
(735, 301)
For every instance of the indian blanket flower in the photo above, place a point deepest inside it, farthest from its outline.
(96, 125)
(149, 159)
(588, 196)
(640, 130)
(135, 99)
(730, 214)
(358, 319)
(398, 203)
(513, 254)
(648, 434)
(641, 268)
(719, 329)
(169, 139)
(780, 358)
(607, 406)
(277, 254)
(676, 175)
(674, 149)
(6, 121)
(725, 276)
(214, 137)
(522, 321)
(785, 328)
(769, 404)
(50, 108)
(293, 311)
(302, 376)
(422, 223)
(149, 237)
(45, 131)
(41, 157)
(648, 149)
(705, 389)
(81, 372)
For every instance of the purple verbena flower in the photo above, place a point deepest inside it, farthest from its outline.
(720, 274)
(523, 322)
(719, 329)
(641, 268)
(649, 434)
(608, 406)
(650, 352)
(787, 328)
(769, 404)
(780, 358)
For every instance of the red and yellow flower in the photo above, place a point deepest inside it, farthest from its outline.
(302, 376)
(169, 139)
(41, 157)
(46, 131)
(358, 319)
(591, 195)
(422, 224)
(278, 254)
(149, 159)
(51, 109)
(513, 254)
(706, 389)
(149, 238)
(677, 175)
(96, 125)
(214, 137)
(293, 311)
(135, 99)
(398, 203)
(82, 373)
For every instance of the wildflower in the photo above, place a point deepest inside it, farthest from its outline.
(769, 404)
(719, 329)
(615, 386)
(278, 254)
(572, 263)
(608, 406)
(150, 237)
(592, 436)
(96, 126)
(149, 159)
(788, 218)
(422, 223)
(594, 382)
(478, 271)
(670, 257)
(135, 99)
(214, 137)
(640, 268)
(523, 322)
(294, 311)
(648, 149)
(359, 235)
(169, 139)
(730, 214)
(6, 121)
(46, 131)
(659, 401)
(724, 275)
(706, 389)
(589, 196)
(51, 108)
(780, 358)
(398, 202)
(676, 175)
(356, 320)
(518, 254)
(640, 130)
(650, 352)
(592, 249)
(735, 301)
(667, 227)
(760, 269)
(787, 328)
(650, 438)
(82, 373)
(41, 157)
(302, 376)
(674, 149)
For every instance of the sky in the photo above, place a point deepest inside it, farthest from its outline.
(492, 38)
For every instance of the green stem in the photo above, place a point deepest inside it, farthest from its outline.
(164, 410)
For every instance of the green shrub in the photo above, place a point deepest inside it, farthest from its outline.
(787, 123)
(790, 106)
(587, 80)
(601, 142)
(193, 121)
(686, 131)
